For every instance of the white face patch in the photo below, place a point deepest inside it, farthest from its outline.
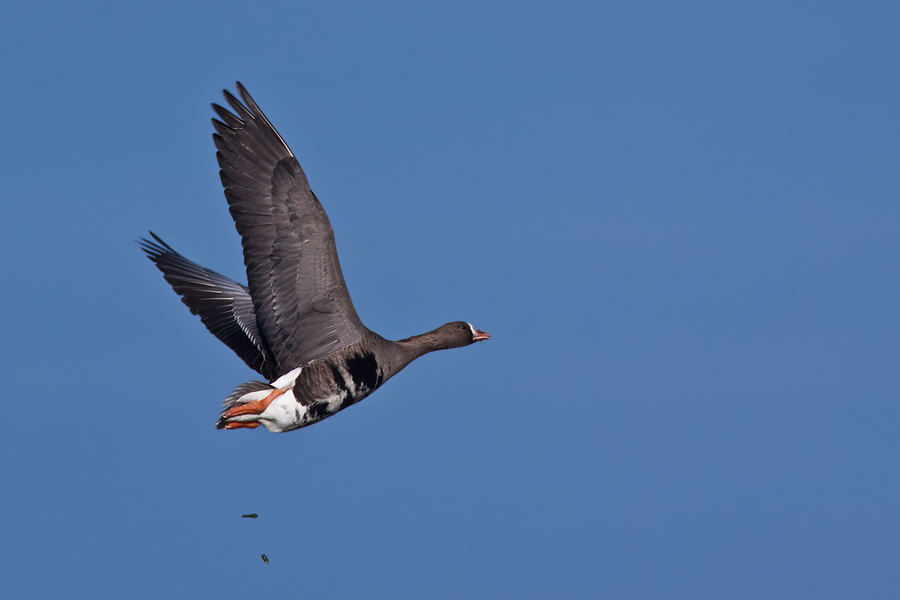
(474, 331)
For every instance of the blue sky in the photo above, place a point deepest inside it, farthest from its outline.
(679, 222)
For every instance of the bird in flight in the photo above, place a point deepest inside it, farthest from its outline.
(294, 322)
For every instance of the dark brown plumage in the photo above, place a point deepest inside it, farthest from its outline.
(294, 323)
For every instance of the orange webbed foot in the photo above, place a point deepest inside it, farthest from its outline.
(237, 425)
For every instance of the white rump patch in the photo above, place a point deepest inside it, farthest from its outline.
(287, 380)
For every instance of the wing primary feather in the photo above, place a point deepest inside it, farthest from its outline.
(226, 116)
(224, 306)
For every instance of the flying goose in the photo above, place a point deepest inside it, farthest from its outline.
(294, 322)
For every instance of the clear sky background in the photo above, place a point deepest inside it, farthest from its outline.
(680, 222)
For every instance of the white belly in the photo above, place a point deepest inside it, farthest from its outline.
(284, 414)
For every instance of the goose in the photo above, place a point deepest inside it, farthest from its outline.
(293, 322)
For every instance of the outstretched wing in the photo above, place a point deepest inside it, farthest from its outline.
(223, 305)
(301, 301)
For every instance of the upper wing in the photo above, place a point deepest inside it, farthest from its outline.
(223, 305)
(301, 301)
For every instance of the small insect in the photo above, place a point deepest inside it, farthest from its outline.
(265, 558)
(250, 516)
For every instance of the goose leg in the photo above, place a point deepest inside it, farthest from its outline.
(256, 407)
